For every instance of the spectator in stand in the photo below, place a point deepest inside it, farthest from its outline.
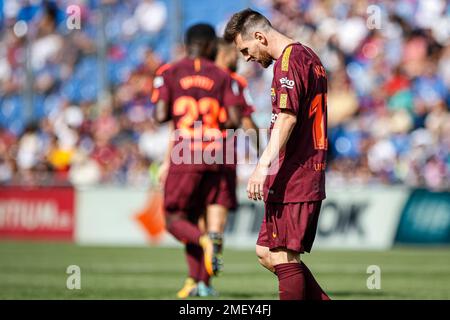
(388, 90)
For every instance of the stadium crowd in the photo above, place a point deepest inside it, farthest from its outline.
(389, 77)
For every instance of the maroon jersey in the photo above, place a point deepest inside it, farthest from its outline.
(158, 81)
(240, 88)
(198, 93)
(300, 86)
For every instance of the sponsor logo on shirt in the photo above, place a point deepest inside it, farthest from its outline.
(273, 94)
(286, 83)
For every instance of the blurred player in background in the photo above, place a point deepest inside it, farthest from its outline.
(216, 214)
(296, 149)
(195, 91)
(227, 59)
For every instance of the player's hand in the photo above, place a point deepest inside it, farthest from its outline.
(162, 174)
(255, 186)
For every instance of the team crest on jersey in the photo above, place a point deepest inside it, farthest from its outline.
(286, 83)
(273, 94)
(158, 82)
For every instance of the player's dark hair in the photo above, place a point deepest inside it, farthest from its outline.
(200, 34)
(242, 22)
(201, 41)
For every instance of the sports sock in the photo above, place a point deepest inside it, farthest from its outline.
(291, 281)
(217, 239)
(194, 259)
(313, 289)
(185, 231)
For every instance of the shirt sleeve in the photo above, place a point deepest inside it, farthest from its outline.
(231, 95)
(240, 89)
(248, 108)
(289, 84)
(161, 89)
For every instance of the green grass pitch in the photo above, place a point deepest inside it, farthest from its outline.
(38, 271)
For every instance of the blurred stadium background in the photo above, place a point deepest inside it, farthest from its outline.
(79, 152)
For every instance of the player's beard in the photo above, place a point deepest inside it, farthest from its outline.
(265, 59)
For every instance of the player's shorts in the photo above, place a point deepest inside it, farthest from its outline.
(227, 190)
(189, 193)
(289, 225)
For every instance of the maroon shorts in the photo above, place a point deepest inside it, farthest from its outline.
(289, 225)
(227, 190)
(189, 193)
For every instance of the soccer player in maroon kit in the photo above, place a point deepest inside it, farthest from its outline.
(195, 91)
(290, 175)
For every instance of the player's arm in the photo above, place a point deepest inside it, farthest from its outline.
(232, 108)
(233, 120)
(289, 93)
(247, 123)
(247, 108)
(161, 96)
(281, 132)
(162, 111)
(164, 168)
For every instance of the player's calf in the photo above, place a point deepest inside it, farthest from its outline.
(181, 228)
(291, 278)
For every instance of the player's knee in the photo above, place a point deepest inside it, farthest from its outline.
(261, 252)
(263, 255)
(282, 255)
(264, 261)
(169, 224)
(171, 220)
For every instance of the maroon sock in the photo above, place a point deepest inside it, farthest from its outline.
(203, 274)
(291, 281)
(313, 290)
(194, 259)
(185, 231)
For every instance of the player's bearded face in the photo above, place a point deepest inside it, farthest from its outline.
(264, 58)
(259, 54)
(253, 50)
